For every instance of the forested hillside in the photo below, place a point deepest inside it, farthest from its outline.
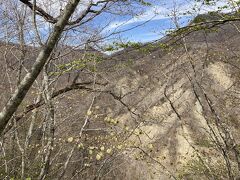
(167, 109)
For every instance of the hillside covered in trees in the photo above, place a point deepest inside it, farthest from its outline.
(167, 109)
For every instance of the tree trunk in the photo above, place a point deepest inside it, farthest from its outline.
(30, 77)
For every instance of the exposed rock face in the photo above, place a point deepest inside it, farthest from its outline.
(163, 107)
(221, 76)
(165, 96)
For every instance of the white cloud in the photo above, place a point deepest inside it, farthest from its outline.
(183, 8)
(153, 13)
(54, 7)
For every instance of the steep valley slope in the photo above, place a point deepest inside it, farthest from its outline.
(166, 110)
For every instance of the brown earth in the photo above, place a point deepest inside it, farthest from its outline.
(158, 126)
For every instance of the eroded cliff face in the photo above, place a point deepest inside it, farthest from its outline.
(167, 113)
(155, 113)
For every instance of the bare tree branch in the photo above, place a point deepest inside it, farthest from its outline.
(30, 77)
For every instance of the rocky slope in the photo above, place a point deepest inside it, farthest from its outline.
(163, 111)
(172, 104)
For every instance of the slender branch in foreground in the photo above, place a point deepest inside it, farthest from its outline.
(20, 93)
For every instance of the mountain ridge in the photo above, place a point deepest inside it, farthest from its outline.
(161, 110)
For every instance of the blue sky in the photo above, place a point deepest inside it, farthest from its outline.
(144, 24)
(153, 21)
(149, 31)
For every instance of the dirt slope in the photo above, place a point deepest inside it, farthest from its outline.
(155, 93)
(150, 106)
